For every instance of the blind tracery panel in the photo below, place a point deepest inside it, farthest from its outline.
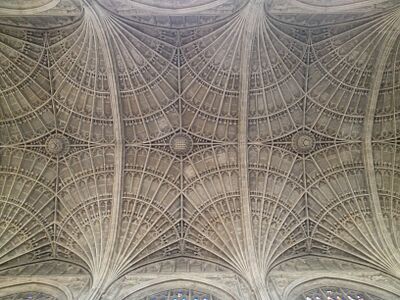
(180, 294)
(336, 293)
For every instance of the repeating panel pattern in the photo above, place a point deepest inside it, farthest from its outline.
(212, 208)
(340, 203)
(386, 159)
(175, 14)
(84, 204)
(210, 80)
(148, 80)
(181, 294)
(128, 139)
(27, 207)
(80, 84)
(277, 83)
(278, 204)
(25, 107)
(326, 293)
(150, 208)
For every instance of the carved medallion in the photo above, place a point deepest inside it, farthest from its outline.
(57, 145)
(303, 142)
(181, 144)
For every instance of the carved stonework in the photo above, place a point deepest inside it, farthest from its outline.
(303, 142)
(240, 134)
(57, 145)
(333, 293)
(181, 144)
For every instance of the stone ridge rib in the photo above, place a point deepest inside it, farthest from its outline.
(97, 16)
(390, 251)
(177, 11)
(314, 7)
(29, 10)
(253, 15)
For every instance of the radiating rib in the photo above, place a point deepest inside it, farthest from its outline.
(85, 192)
(147, 79)
(278, 205)
(210, 81)
(25, 109)
(167, 15)
(80, 83)
(277, 81)
(26, 207)
(212, 206)
(341, 74)
(387, 166)
(149, 209)
(387, 115)
(341, 207)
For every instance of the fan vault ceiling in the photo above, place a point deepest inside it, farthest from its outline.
(228, 149)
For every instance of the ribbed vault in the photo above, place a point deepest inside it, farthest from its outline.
(242, 134)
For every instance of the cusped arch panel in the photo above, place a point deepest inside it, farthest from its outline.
(218, 47)
(171, 285)
(25, 107)
(148, 233)
(387, 113)
(27, 206)
(328, 287)
(348, 229)
(84, 162)
(81, 82)
(341, 210)
(277, 82)
(212, 206)
(387, 171)
(280, 232)
(276, 160)
(188, 294)
(210, 80)
(86, 174)
(146, 64)
(341, 74)
(152, 174)
(83, 233)
(24, 235)
(215, 232)
(84, 196)
(278, 204)
(334, 172)
(211, 173)
(144, 70)
(150, 208)
(177, 14)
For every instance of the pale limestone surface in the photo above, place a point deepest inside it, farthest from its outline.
(209, 149)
